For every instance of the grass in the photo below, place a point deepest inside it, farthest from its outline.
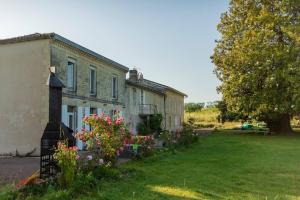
(207, 118)
(208, 115)
(219, 166)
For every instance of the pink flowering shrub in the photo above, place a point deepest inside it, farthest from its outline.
(145, 144)
(66, 160)
(106, 138)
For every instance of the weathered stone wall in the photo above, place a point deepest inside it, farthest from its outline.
(24, 69)
(174, 110)
(133, 102)
(60, 54)
(172, 107)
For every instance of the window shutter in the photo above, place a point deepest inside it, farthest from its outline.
(87, 113)
(99, 111)
(64, 115)
(117, 88)
(80, 126)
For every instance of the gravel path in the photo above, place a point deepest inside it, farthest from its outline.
(14, 169)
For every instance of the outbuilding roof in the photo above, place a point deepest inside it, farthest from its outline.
(153, 86)
(56, 37)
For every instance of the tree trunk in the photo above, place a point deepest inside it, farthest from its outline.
(280, 125)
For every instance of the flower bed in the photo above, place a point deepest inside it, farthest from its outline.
(106, 140)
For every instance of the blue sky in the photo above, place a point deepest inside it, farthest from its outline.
(169, 41)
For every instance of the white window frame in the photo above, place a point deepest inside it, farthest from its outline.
(114, 88)
(73, 84)
(73, 115)
(91, 68)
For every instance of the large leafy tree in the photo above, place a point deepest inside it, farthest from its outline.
(257, 60)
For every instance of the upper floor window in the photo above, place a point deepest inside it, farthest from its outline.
(71, 75)
(92, 80)
(114, 87)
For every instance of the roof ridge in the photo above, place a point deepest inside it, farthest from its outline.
(57, 37)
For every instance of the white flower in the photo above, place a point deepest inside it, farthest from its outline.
(89, 157)
(101, 162)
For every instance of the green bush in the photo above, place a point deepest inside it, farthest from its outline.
(143, 129)
(82, 183)
(10, 192)
(105, 172)
(155, 122)
(168, 139)
(146, 146)
(65, 158)
(154, 125)
(186, 137)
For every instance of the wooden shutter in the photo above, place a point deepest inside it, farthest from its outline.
(64, 115)
(80, 126)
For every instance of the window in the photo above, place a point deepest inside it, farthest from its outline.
(114, 87)
(71, 113)
(142, 97)
(71, 75)
(170, 122)
(112, 113)
(93, 81)
(93, 111)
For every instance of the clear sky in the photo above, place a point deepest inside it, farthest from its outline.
(169, 41)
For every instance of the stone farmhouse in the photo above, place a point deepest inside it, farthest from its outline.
(93, 84)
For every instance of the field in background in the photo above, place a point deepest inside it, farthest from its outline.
(207, 118)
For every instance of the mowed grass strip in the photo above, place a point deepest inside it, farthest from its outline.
(220, 166)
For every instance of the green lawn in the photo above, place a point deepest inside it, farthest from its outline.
(219, 166)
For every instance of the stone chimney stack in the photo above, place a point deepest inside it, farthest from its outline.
(133, 75)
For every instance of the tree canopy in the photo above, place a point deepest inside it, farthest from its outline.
(193, 107)
(257, 59)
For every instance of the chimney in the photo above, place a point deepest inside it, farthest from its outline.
(133, 75)
(55, 98)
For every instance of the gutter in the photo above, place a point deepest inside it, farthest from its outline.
(56, 37)
(59, 38)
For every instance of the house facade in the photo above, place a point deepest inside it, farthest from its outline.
(93, 84)
(146, 98)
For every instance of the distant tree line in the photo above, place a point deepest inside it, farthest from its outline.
(225, 113)
(193, 107)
